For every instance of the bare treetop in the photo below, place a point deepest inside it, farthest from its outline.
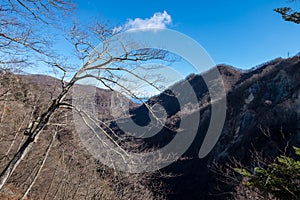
(24, 31)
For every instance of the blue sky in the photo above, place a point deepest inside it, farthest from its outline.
(239, 33)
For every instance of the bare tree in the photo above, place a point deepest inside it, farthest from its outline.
(24, 33)
(91, 56)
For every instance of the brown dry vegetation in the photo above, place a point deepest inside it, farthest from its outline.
(59, 166)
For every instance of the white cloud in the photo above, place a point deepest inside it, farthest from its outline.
(159, 20)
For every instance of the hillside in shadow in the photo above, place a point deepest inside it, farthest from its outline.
(262, 116)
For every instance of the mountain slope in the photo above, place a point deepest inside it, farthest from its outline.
(262, 114)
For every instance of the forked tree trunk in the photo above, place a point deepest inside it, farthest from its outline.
(25, 148)
(42, 163)
(33, 133)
